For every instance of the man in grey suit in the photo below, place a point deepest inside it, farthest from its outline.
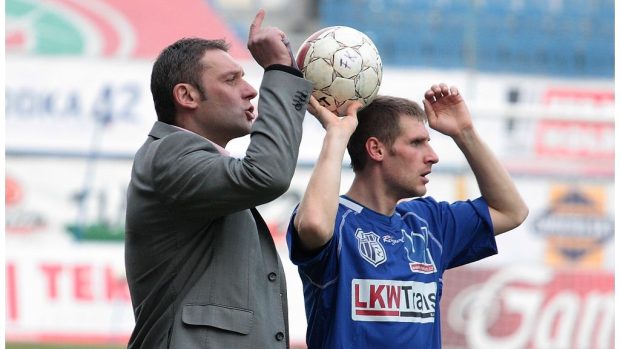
(202, 268)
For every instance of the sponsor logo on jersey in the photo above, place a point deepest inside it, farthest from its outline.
(393, 301)
(418, 254)
(370, 247)
(422, 268)
(392, 240)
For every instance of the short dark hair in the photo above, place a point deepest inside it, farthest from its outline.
(179, 63)
(381, 119)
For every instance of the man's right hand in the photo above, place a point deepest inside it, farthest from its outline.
(267, 44)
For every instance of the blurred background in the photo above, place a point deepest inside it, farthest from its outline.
(538, 76)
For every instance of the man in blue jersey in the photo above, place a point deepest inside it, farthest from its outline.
(372, 263)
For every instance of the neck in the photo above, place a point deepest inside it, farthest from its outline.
(189, 124)
(372, 194)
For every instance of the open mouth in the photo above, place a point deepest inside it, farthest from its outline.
(249, 113)
(424, 174)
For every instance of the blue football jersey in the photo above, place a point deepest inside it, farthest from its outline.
(377, 283)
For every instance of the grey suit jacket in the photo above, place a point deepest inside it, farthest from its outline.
(202, 268)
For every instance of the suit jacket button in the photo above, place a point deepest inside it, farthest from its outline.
(272, 276)
(279, 336)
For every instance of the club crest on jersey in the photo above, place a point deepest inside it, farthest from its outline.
(370, 247)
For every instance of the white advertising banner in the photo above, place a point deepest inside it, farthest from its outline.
(86, 107)
(66, 292)
(77, 106)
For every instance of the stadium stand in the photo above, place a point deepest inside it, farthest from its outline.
(570, 38)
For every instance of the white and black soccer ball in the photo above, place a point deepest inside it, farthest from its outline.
(344, 66)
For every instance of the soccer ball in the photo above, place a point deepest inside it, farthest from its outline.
(344, 66)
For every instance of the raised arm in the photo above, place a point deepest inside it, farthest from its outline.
(316, 214)
(448, 114)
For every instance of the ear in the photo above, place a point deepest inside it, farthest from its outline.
(186, 96)
(375, 149)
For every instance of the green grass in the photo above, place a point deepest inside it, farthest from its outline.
(61, 346)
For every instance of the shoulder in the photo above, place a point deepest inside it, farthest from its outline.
(179, 141)
(429, 202)
(170, 144)
(440, 211)
(424, 203)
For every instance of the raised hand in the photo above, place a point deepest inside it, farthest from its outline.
(446, 110)
(267, 44)
(346, 124)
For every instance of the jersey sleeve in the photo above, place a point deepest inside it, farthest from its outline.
(317, 266)
(470, 231)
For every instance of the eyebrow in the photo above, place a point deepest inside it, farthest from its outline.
(235, 72)
(232, 70)
(418, 139)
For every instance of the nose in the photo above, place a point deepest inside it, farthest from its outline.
(431, 156)
(249, 92)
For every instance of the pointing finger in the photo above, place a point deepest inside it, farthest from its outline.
(257, 23)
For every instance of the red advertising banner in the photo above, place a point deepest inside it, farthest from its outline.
(527, 308)
(575, 139)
